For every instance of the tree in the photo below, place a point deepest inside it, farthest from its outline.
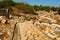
(1, 5)
(54, 8)
(37, 8)
(7, 3)
(59, 10)
(46, 8)
(26, 8)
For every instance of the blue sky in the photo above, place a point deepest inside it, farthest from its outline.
(41, 2)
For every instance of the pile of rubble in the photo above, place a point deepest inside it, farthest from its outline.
(6, 28)
(51, 30)
(37, 27)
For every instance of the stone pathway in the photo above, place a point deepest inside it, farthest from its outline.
(29, 32)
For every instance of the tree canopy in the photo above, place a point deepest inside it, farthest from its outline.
(59, 10)
(26, 8)
(6, 3)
